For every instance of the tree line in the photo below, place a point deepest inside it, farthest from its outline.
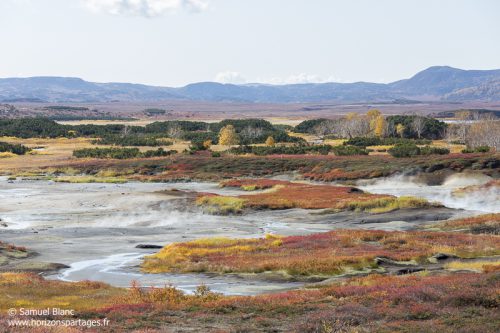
(374, 124)
(248, 131)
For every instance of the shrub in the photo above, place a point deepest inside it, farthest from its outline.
(410, 150)
(119, 153)
(286, 150)
(132, 140)
(480, 149)
(474, 265)
(404, 150)
(307, 126)
(13, 148)
(376, 141)
(428, 150)
(349, 150)
(216, 154)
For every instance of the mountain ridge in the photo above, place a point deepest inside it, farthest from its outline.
(441, 83)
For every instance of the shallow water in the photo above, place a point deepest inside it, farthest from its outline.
(118, 269)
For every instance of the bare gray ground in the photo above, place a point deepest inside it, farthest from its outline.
(95, 228)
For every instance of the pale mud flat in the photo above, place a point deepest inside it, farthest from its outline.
(94, 228)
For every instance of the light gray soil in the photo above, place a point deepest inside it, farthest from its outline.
(94, 228)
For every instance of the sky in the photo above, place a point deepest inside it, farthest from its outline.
(176, 42)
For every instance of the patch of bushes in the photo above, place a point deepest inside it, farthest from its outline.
(404, 150)
(307, 126)
(13, 148)
(349, 150)
(480, 149)
(131, 140)
(411, 150)
(119, 153)
(376, 141)
(428, 150)
(282, 150)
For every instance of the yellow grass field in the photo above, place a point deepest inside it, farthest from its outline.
(51, 152)
(454, 148)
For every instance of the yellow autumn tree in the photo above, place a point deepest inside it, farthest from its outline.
(373, 113)
(228, 136)
(373, 116)
(270, 141)
(400, 129)
(207, 143)
(380, 126)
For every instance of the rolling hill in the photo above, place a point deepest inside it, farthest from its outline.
(435, 83)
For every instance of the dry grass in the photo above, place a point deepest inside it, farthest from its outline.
(7, 154)
(454, 148)
(322, 254)
(482, 224)
(334, 142)
(457, 302)
(384, 205)
(308, 137)
(478, 266)
(215, 204)
(298, 195)
(89, 179)
(286, 195)
(56, 151)
(253, 184)
(32, 291)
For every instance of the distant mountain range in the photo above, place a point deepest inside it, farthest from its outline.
(439, 83)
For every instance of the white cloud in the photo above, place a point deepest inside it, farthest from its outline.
(300, 78)
(146, 8)
(230, 77)
(238, 78)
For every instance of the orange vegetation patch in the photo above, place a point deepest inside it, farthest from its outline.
(32, 291)
(451, 303)
(10, 247)
(297, 195)
(336, 174)
(319, 254)
(254, 184)
(482, 224)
